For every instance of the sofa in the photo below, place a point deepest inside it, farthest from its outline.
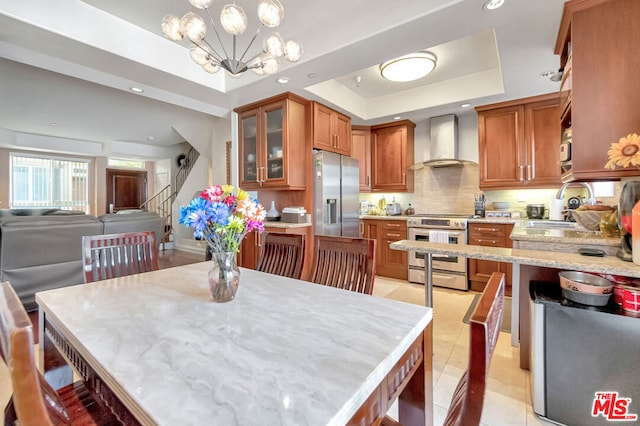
(43, 251)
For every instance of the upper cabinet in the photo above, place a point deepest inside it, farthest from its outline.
(391, 155)
(331, 130)
(519, 143)
(598, 44)
(361, 150)
(273, 139)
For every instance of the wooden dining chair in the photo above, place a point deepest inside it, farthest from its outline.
(282, 254)
(116, 255)
(344, 262)
(484, 328)
(34, 402)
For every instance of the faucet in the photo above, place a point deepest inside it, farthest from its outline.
(563, 188)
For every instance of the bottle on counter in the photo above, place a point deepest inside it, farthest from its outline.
(410, 210)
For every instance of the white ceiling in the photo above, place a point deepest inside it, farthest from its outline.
(72, 62)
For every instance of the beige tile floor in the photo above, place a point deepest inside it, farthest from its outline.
(507, 397)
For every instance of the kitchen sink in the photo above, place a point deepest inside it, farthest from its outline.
(547, 224)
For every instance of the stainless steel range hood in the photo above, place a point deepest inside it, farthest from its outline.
(444, 144)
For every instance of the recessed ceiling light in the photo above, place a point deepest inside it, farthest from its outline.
(465, 105)
(409, 67)
(397, 117)
(53, 124)
(136, 89)
(151, 138)
(312, 75)
(283, 80)
(493, 4)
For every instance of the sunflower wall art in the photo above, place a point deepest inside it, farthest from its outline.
(624, 153)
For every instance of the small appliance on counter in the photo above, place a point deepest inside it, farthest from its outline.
(393, 208)
(535, 211)
(478, 205)
(294, 215)
(364, 207)
(514, 214)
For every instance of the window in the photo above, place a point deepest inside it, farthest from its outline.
(134, 164)
(45, 182)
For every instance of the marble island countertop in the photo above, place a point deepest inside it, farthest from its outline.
(284, 351)
(549, 259)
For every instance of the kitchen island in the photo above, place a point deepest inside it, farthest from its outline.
(284, 351)
(528, 265)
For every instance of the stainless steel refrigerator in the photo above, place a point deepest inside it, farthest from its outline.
(336, 188)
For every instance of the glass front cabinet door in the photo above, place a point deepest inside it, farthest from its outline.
(270, 134)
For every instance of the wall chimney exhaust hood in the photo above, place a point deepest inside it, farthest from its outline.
(444, 144)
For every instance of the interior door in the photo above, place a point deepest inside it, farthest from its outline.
(126, 189)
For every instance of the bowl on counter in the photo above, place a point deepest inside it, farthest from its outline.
(589, 219)
(501, 205)
(585, 283)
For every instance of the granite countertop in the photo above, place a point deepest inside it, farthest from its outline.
(278, 224)
(384, 217)
(494, 220)
(563, 236)
(549, 259)
(284, 351)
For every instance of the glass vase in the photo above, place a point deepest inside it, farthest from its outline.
(224, 276)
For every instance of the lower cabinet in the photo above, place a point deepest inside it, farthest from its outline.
(389, 263)
(489, 235)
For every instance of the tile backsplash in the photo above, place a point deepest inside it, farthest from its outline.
(452, 189)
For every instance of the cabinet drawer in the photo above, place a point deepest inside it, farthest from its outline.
(394, 225)
(394, 230)
(396, 235)
(487, 241)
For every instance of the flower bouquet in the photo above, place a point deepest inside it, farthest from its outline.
(222, 216)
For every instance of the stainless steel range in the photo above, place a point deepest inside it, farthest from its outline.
(447, 271)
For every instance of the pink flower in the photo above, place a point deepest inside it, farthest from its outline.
(213, 193)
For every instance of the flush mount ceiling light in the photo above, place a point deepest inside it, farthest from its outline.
(409, 67)
(493, 4)
(233, 20)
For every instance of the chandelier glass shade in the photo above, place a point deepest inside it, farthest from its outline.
(409, 67)
(233, 20)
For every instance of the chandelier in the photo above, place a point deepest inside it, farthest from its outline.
(233, 20)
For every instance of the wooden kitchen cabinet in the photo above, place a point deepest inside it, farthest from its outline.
(519, 143)
(598, 43)
(272, 138)
(392, 146)
(489, 235)
(361, 150)
(389, 263)
(331, 130)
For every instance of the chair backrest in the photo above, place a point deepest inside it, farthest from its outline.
(116, 255)
(282, 254)
(466, 404)
(30, 390)
(344, 262)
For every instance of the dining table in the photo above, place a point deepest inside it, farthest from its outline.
(158, 350)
